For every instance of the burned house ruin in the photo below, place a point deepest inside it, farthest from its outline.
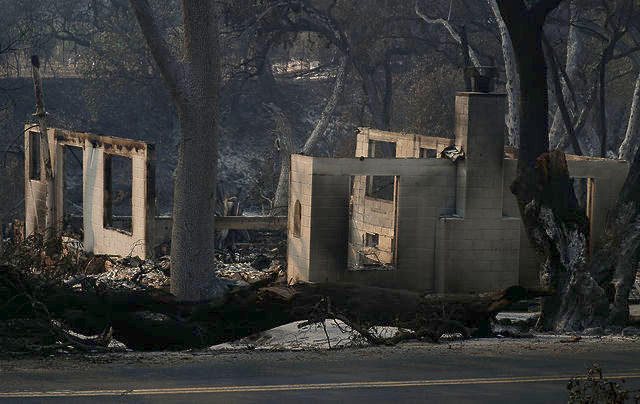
(113, 208)
(398, 215)
(104, 230)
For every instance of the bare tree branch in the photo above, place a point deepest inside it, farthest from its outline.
(454, 34)
(172, 70)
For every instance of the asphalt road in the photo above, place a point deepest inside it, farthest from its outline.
(523, 371)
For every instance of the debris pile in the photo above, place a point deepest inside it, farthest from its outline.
(242, 262)
(55, 293)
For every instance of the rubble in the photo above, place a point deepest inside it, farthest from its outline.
(247, 262)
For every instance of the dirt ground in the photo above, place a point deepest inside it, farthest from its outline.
(488, 347)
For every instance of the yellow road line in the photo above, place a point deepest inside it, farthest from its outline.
(297, 387)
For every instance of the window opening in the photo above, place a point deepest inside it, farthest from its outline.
(381, 187)
(427, 153)
(372, 240)
(372, 230)
(72, 190)
(34, 146)
(379, 149)
(297, 219)
(118, 174)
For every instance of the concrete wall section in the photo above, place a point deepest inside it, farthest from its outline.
(298, 250)
(480, 132)
(329, 227)
(97, 238)
(104, 240)
(35, 191)
(408, 145)
(477, 255)
(426, 189)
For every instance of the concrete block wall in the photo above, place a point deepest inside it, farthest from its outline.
(477, 255)
(478, 248)
(408, 145)
(426, 189)
(480, 135)
(329, 226)
(98, 238)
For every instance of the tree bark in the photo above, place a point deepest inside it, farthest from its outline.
(194, 83)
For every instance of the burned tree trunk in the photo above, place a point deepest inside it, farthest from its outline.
(558, 230)
(615, 265)
(555, 225)
(46, 160)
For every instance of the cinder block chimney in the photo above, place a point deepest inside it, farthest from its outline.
(479, 131)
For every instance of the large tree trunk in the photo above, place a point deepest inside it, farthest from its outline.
(192, 240)
(194, 83)
(555, 225)
(559, 231)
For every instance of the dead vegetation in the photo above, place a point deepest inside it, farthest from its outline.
(595, 388)
(53, 299)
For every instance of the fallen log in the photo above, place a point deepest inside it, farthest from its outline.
(154, 322)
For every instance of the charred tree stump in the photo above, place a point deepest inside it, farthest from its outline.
(615, 265)
(558, 229)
